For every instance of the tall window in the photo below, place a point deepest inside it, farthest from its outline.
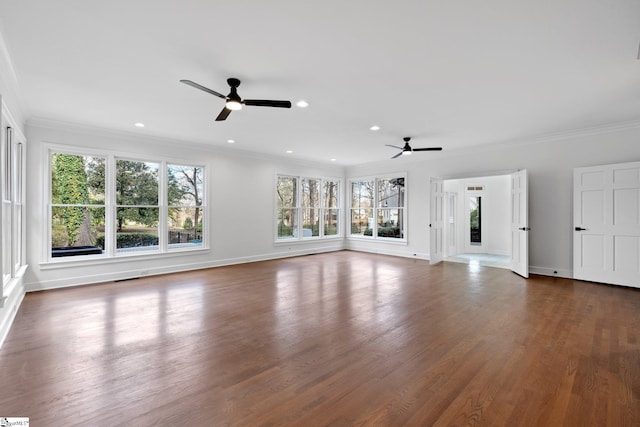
(77, 204)
(12, 233)
(307, 207)
(378, 207)
(331, 211)
(287, 202)
(137, 209)
(185, 195)
(362, 203)
(103, 206)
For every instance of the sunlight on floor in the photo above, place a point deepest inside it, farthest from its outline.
(477, 260)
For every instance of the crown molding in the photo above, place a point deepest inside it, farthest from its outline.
(58, 125)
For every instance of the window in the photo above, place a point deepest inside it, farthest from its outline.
(475, 220)
(307, 207)
(378, 208)
(77, 204)
(104, 206)
(185, 193)
(12, 233)
(137, 209)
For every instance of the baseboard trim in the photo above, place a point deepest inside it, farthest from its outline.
(545, 271)
(10, 309)
(403, 254)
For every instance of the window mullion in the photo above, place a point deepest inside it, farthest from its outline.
(163, 215)
(110, 206)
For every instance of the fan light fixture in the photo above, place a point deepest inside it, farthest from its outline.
(233, 105)
(406, 150)
(233, 100)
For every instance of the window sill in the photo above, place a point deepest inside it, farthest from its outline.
(89, 260)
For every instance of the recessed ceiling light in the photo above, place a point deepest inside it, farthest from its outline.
(289, 151)
(139, 125)
(302, 103)
(375, 128)
(333, 160)
(230, 141)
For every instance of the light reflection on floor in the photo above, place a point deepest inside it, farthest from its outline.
(475, 261)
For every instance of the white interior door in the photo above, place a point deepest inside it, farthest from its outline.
(520, 223)
(606, 220)
(436, 235)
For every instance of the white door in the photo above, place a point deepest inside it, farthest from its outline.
(606, 220)
(436, 242)
(520, 223)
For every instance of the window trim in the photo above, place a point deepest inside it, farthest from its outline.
(12, 197)
(301, 238)
(110, 251)
(374, 237)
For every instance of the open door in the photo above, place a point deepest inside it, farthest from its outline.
(520, 223)
(436, 242)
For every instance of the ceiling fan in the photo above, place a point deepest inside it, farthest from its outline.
(233, 100)
(407, 150)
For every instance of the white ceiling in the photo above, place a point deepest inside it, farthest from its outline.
(448, 73)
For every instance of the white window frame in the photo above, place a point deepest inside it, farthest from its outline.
(110, 252)
(299, 230)
(12, 212)
(374, 236)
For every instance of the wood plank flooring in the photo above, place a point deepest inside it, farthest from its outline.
(338, 339)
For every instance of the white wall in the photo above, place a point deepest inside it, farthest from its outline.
(549, 161)
(241, 206)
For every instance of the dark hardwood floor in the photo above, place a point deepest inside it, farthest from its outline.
(337, 339)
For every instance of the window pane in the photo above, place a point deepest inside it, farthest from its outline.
(310, 207)
(185, 227)
(331, 222)
(330, 194)
(77, 179)
(362, 222)
(6, 241)
(390, 223)
(310, 193)
(287, 192)
(185, 185)
(362, 194)
(475, 220)
(136, 183)
(17, 237)
(391, 192)
(287, 223)
(137, 229)
(77, 230)
(310, 222)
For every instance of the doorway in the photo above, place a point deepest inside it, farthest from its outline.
(478, 227)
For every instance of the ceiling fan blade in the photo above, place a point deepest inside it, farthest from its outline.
(206, 89)
(267, 103)
(428, 149)
(397, 155)
(393, 146)
(223, 114)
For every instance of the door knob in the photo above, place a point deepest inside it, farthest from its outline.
(524, 228)
(580, 229)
